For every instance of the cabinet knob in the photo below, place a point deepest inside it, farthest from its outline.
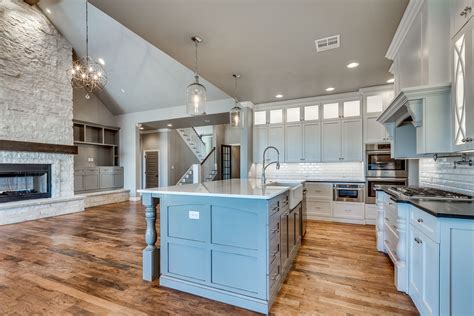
(420, 220)
(468, 140)
(418, 240)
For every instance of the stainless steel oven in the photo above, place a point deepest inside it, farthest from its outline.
(380, 164)
(349, 192)
(373, 182)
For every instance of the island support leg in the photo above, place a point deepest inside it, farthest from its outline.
(151, 254)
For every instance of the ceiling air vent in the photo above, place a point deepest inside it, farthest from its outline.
(326, 43)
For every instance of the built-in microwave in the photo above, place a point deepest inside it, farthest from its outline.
(349, 192)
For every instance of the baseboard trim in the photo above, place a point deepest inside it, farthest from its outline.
(135, 198)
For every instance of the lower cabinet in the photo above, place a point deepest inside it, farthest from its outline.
(97, 178)
(423, 280)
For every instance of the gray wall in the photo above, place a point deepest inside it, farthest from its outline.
(180, 157)
(91, 110)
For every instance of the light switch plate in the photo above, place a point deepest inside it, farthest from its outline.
(193, 215)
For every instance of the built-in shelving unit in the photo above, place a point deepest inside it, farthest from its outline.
(102, 141)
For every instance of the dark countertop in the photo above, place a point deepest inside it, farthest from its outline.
(449, 209)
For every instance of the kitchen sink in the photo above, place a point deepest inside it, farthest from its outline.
(295, 194)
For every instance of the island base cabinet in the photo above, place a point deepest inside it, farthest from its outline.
(457, 267)
(424, 272)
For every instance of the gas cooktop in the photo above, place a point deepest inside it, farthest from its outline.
(428, 194)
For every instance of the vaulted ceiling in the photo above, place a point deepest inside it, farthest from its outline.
(269, 42)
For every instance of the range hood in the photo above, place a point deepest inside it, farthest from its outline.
(419, 121)
(408, 106)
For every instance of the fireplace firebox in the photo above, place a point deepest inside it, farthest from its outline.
(20, 182)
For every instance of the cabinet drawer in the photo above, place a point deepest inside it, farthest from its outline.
(318, 208)
(275, 275)
(390, 215)
(390, 239)
(90, 171)
(424, 222)
(274, 250)
(348, 210)
(274, 230)
(319, 190)
(371, 211)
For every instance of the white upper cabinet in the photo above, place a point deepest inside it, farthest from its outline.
(294, 142)
(331, 111)
(293, 115)
(351, 140)
(374, 103)
(260, 117)
(331, 141)
(312, 142)
(462, 91)
(351, 109)
(311, 113)
(260, 140)
(276, 138)
(461, 12)
(276, 116)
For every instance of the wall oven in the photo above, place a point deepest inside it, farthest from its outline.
(349, 192)
(382, 169)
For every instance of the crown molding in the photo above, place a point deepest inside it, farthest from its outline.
(412, 10)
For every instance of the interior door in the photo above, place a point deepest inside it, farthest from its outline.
(226, 161)
(151, 169)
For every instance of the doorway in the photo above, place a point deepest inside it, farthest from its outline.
(151, 164)
(230, 162)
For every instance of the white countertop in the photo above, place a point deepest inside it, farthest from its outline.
(241, 188)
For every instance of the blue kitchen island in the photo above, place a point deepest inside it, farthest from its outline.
(232, 241)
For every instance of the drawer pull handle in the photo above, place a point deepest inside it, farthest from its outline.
(276, 230)
(387, 219)
(274, 254)
(275, 276)
(395, 227)
(420, 220)
(418, 240)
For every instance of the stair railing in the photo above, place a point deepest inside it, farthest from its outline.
(208, 166)
(183, 177)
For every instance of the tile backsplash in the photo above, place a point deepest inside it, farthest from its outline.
(442, 175)
(316, 171)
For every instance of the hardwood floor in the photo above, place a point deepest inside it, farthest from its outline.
(90, 263)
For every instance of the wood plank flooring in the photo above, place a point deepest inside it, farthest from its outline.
(89, 263)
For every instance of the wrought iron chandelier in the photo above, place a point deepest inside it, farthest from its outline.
(196, 92)
(236, 112)
(86, 73)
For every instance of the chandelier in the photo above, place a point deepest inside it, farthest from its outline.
(85, 72)
(235, 114)
(196, 92)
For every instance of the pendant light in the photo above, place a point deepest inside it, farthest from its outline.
(236, 112)
(196, 92)
(85, 72)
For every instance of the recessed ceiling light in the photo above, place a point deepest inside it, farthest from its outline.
(330, 89)
(279, 96)
(392, 80)
(170, 125)
(101, 61)
(123, 91)
(48, 11)
(352, 65)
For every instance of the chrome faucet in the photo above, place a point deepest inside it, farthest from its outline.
(277, 162)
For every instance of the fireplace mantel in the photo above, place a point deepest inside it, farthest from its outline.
(13, 145)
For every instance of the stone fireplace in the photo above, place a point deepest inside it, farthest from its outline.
(35, 108)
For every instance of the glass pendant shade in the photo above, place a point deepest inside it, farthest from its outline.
(236, 116)
(196, 98)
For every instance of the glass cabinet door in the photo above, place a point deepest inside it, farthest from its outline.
(459, 92)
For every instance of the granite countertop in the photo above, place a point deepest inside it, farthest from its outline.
(438, 208)
(234, 188)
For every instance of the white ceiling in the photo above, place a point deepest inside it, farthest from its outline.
(269, 42)
(150, 78)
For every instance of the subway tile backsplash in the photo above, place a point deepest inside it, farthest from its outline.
(312, 171)
(442, 175)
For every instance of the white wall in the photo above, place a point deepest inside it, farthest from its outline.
(91, 110)
(442, 175)
(130, 152)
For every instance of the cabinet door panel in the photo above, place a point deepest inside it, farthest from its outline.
(352, 140)
(331, 141)
(91, 181)
(260, 142)
(312, 142)
(374, 131)
(276, 138)
(293, 143)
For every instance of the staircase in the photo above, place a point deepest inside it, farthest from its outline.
(203, 172)
(187, 177)
(193, 141)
